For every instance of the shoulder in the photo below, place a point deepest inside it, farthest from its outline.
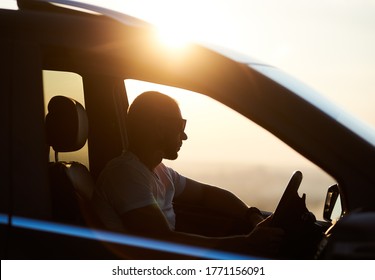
(162, 170)
(123, 169)
(170, 176)
(126, 161)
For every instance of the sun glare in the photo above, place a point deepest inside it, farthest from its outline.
(171, 37)
(177, 23)
(172, 30)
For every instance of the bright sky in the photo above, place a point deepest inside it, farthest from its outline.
(328, 44)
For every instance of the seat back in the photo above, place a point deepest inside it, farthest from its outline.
(71, 183)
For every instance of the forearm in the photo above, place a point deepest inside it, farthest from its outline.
(223, 201)
(263, 242)
(232, 243)
(220, 201)
(150, 222)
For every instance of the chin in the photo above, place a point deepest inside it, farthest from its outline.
(171, 156)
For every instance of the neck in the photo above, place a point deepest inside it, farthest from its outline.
(150, 159)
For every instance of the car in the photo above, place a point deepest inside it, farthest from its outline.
(45, 210)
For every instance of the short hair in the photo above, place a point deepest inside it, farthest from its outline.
(146, 109)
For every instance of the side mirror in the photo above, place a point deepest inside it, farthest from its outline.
(332, 205)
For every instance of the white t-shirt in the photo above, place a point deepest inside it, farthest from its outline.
(127, 184)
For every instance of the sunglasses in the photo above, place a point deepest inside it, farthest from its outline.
(183, 125)
(177, 123)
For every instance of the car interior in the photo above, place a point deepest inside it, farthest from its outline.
(71, 183)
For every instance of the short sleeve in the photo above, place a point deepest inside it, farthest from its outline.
(177, 179)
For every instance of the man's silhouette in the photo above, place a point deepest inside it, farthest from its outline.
(136, 191)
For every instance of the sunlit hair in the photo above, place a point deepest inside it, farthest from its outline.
(145, 111)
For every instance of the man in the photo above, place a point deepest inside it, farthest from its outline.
(136, 191)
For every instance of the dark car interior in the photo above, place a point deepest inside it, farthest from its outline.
(71, 183)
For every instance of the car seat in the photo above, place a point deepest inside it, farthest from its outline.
(71, 183)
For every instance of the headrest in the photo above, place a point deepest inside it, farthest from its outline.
(66, 124)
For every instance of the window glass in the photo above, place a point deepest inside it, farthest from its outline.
(70, 85)
(228, 150)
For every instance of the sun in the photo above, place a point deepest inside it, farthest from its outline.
(177, 22)
(173, 26)
(173, 36)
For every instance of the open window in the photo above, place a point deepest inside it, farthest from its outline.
(228, 150)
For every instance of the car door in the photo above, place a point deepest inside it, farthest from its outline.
(5, 51)
(26, 229)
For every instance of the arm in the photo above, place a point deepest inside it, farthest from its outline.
(217, 199)
(149, 221)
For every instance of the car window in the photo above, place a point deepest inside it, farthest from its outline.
(228, 150)
(70, 85)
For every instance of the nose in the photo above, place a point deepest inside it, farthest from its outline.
(184, 136)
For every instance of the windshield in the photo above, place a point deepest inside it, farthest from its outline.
(319, 101)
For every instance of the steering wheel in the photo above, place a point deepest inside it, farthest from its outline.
(289, 203)
(294, 218)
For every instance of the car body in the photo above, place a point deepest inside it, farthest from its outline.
(105, 48)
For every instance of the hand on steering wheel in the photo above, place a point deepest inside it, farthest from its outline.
(290, 205)
(294, 218)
